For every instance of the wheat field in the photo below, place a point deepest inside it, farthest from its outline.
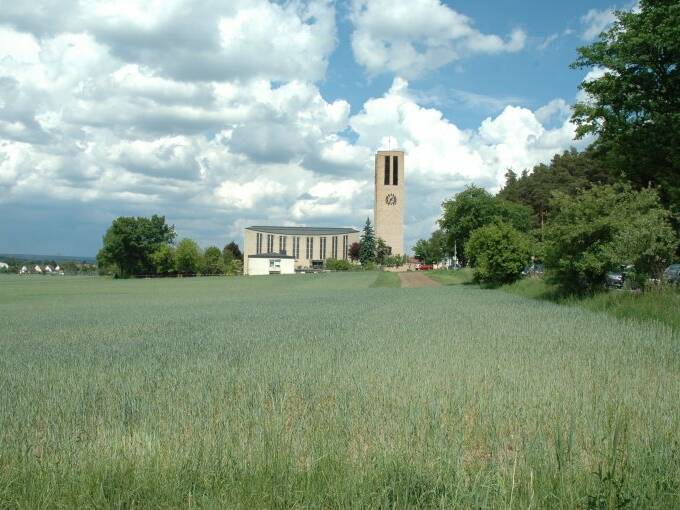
(318, 391)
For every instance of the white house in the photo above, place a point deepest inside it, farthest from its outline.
(37, 269)
(48, 269)
(24, 270)
(4, 266)
(271, 263)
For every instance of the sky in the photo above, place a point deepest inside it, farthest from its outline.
(220, 115)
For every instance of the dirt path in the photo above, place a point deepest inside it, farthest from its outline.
(412, 280)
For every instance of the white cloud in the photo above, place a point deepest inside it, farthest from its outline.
(595, 22)
(97, 121)
(411, 37)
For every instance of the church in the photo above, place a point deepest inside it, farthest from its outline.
(284, 250)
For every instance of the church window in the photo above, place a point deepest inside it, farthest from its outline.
(258, 243)
(334, 247)
(395, 170)
(322, 248)
(387, 170)
(282, 244)
(270, 243)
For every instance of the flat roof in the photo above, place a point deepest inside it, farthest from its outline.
(303, 231)
(271, 256)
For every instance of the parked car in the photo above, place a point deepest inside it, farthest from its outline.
(614, 280)
(617, 279)
(424, 267)
(672, 274)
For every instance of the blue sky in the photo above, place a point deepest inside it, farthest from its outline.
(224, 114)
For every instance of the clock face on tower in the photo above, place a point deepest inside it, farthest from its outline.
(391, 199)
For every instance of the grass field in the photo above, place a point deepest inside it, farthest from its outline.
(320, 391)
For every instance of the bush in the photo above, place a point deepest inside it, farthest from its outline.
(499, 253)
(338, 265)
(395, 260)
(602, 229)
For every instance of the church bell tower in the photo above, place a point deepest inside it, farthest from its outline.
(390, 196)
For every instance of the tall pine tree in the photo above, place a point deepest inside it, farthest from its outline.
(367, 250)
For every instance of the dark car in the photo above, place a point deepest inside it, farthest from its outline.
(617, 279)
(614, 280)
(672, 274)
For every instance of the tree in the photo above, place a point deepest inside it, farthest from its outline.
(602, 229)
(164, 259)
(474, 208)
(431, 251)
(232, 251)
(354, 252)
(382, 251)
(212, 261)
(634, 106)
(568, 173)
(129, 244)
(187, 257)
(367, 246)
(498, 252)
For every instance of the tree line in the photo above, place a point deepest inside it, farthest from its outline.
(139, 246)
(617, 203)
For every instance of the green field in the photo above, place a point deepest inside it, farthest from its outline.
(320, 391)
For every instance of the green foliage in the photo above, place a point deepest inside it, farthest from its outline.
(432, 250)
(212, 262)
(368, 244)
(231, 251)
(164, 259)
(129, 244)
(498, 253)
(382, 251)
(602, 229)
(315, 391)
(634, 108)
(474, 208)
(338, 265)
(395, 260)
(233, 267)
(187, 257)
(568, 173)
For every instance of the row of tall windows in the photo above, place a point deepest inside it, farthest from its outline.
(258, 243)
(309, 246)
(394, 172)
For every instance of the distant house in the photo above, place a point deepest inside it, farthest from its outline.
(4, 266)
(37, 269)
(48, 269)
(23, 270)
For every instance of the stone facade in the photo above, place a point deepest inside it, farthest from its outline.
(390, 197)
(309, 246)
